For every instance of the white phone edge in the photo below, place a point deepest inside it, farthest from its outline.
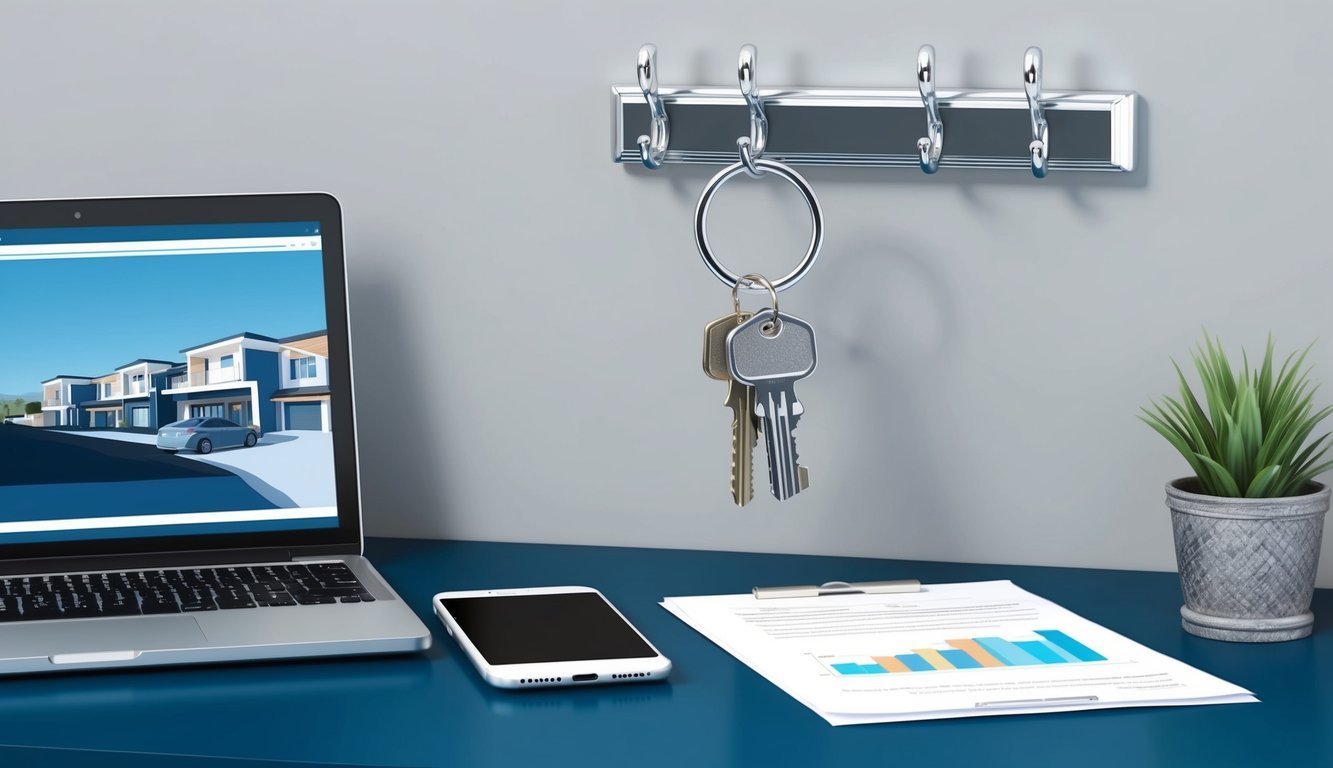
(558, 673)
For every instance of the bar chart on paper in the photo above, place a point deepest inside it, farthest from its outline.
(1044, 646)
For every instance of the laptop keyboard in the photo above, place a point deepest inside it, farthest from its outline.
(132, 593)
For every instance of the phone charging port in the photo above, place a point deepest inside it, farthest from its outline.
(587, 677)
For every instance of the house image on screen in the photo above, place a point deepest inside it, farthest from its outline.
(122, 396)
(61, 398)
(277, 384)
(140, 404)
(230, 378)
(104, 409)
(302, 402)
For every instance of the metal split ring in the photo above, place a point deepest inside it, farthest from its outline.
(786, 173)
(749, 281)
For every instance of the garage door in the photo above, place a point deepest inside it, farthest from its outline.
(304, 416)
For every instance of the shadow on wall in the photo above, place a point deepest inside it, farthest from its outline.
(402, 464)
(886, 339)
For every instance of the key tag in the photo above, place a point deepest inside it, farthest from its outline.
(770, 324)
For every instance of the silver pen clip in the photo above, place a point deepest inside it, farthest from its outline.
(840, 588)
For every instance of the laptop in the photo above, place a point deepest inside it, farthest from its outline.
(178, 458)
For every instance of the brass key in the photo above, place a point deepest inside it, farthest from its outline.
(740, 399)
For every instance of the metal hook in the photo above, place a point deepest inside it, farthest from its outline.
(930, 146)
(752, 147)
(1040, 146)
(652, 147)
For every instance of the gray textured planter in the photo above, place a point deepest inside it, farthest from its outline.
(1247, 566)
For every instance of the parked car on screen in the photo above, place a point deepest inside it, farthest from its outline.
(204, 434)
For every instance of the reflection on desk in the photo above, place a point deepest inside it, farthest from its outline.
(148, 691)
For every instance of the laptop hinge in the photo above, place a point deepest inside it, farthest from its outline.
(144, 560)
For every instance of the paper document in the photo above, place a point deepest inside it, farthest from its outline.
(951, 650)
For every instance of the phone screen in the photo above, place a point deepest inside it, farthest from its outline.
(533, 629)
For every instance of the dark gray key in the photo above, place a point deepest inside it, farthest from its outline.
(772, 365)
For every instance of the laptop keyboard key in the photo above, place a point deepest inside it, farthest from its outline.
(230, 600)
(160, 606)
(119, 608)
(38, 607)
(335, 591)
(75, 605)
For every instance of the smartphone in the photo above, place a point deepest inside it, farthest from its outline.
(542, 637)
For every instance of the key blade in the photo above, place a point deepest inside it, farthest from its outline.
(744, 440)
(715, 344)
(775, 406)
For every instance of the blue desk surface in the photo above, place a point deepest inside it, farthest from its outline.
(432, 709)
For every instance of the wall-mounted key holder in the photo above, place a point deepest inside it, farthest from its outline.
(925, 127)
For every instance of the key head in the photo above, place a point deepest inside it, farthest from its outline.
(754, 358)
(715, 344)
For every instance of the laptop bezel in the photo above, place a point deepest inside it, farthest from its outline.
(220, 209)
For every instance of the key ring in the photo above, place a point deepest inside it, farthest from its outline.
(785, 173)
(769, 329)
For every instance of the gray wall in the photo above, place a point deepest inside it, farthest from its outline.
(528, 315)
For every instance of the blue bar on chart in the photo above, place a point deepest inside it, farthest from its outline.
(1075, 648)
(1040, 651)
(1007, 652)
(960, 659)
(852, 668)
(914, 662)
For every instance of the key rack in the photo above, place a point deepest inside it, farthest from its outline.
(874, 127)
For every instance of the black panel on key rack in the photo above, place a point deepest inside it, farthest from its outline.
(886, 132)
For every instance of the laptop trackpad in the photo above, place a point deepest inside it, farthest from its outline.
(98, 636)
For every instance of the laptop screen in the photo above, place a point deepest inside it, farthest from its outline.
(168, 380)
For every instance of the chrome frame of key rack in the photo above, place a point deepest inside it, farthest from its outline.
(879, 127)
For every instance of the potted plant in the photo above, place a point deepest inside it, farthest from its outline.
(1248, 524)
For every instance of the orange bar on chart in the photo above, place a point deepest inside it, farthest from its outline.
(891, 664)
(933, 658)
(971, 648)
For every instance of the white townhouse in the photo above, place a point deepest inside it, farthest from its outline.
(61, 398)
(303, 397)
(105, 409)
(232, 378)
(136, 388)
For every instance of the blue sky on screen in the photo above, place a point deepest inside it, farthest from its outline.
(87, 317)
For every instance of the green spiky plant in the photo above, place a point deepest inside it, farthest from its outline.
(1252, 440)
